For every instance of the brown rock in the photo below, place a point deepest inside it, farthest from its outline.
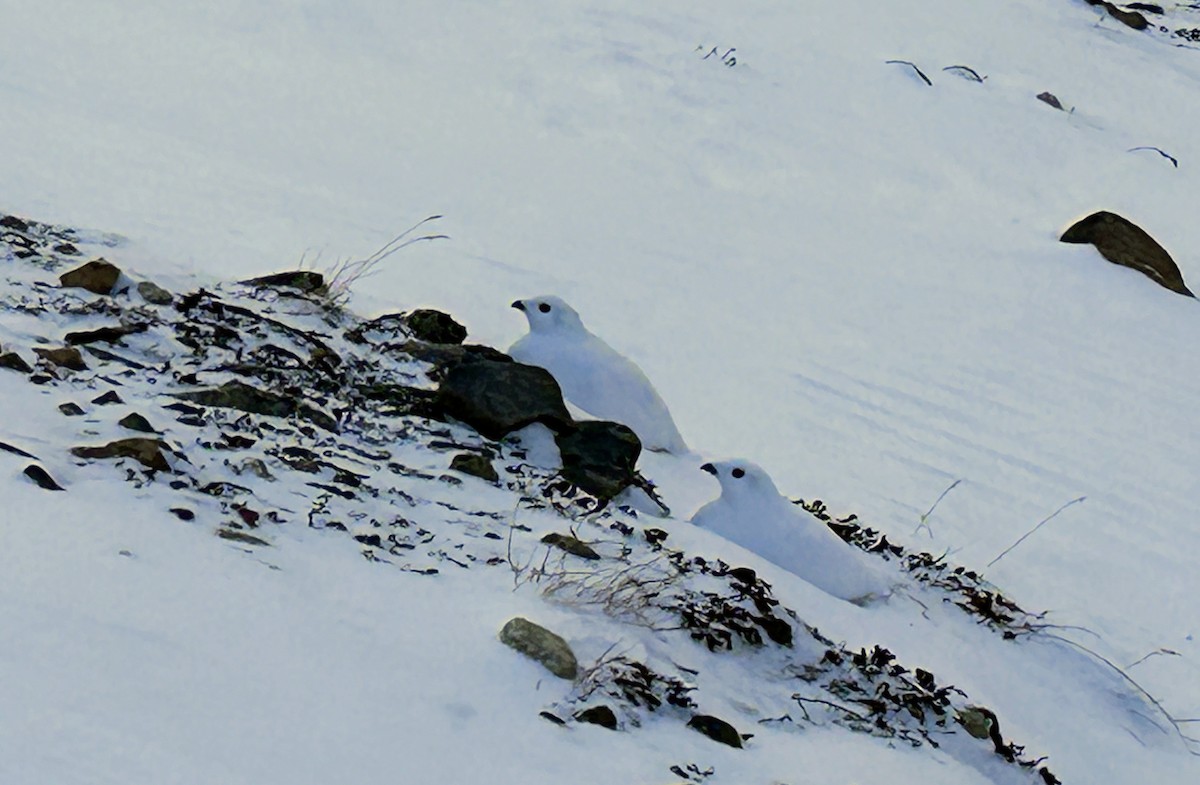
(1123, 242)
(98, 276)
(66, 357)
(147, 452)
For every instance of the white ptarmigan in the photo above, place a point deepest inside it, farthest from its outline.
(753, 514)
(593, 375)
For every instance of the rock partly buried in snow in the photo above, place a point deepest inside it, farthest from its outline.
(234, 535)
(434, 327)
(306, 281)
(65, 357)
(1123, 242)
(475, 465)
(716, 729)
(600, 457)
(154, 294)
(1130, 18)
(445, 356)
(572, 545)
(98, 276)
(13, 362)
(41, 477)
(104, 334)
(1051, 99)
(136, 422)
(147, 452)
(497, 398)
(539, 644)
(598, 715)
(245, 398)
(70, 408)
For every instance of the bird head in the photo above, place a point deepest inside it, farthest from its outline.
(549, 314)
(741, 479)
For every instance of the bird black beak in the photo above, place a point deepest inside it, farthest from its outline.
(708, 467)
(520, 306)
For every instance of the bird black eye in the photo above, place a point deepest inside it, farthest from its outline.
(544, 307)
(739, 473)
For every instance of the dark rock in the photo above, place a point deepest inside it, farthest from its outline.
(404, 399)
(108, 397)
(598, 715)
(41, 477)
(249, 517)
(557, 720)
(147, 452)
(716, 729)
(571, 545)
(434, 327)
(540, 644)
(243, 397)
(66, 357)
(1124, 243)
(136, 422)
(1131, 18)
(183, 514)
(600, 457)
(13, 222)
(475, 465)
(497, 398)
(1150, 8)
(236, 536)
(5, 447)
(153, 293)
(66, 249)
(70, 409)
(1052, 99)
(97, 276)
(306, 281)
(445, 356)
(13, 362)
(105, 334)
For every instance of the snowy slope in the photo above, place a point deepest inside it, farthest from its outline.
(824, 264)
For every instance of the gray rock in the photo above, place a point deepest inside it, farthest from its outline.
(153, 293)
(243, 397)
(716, 729)
(497, 398)
(98, 276)
(600, 457)
(475, 465)
(1122, 242)
(539, 644)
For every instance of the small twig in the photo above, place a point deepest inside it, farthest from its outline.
(971, 72)
(920, 73)
(1153, 654)
(1170, 158)
(1043, 522)
(924, 518)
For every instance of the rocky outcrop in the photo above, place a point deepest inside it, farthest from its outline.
(147, 452)
(98, 276)
(434, 327)
(600, 457)
(538, 643)
(1122, 242)
(246, 398)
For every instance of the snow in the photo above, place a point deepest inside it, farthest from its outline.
(824, 264)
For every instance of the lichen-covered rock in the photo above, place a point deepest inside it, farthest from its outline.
(433, 326)
(98, 276)
(147, 452)
(716, 729)
(497, 398)
(600, 457)
(538, 643)
(475, 465)
(1122, 242)
(243, 397)
(154, 294)
(64, 357)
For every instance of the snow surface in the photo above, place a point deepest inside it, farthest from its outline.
(824, 265)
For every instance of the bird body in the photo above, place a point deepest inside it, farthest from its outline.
(594, 376)
(753, 514)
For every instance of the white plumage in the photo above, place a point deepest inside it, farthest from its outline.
(753, 514)
(592, 375)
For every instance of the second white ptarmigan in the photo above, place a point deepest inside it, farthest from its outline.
(593, 375)
(753, 514)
